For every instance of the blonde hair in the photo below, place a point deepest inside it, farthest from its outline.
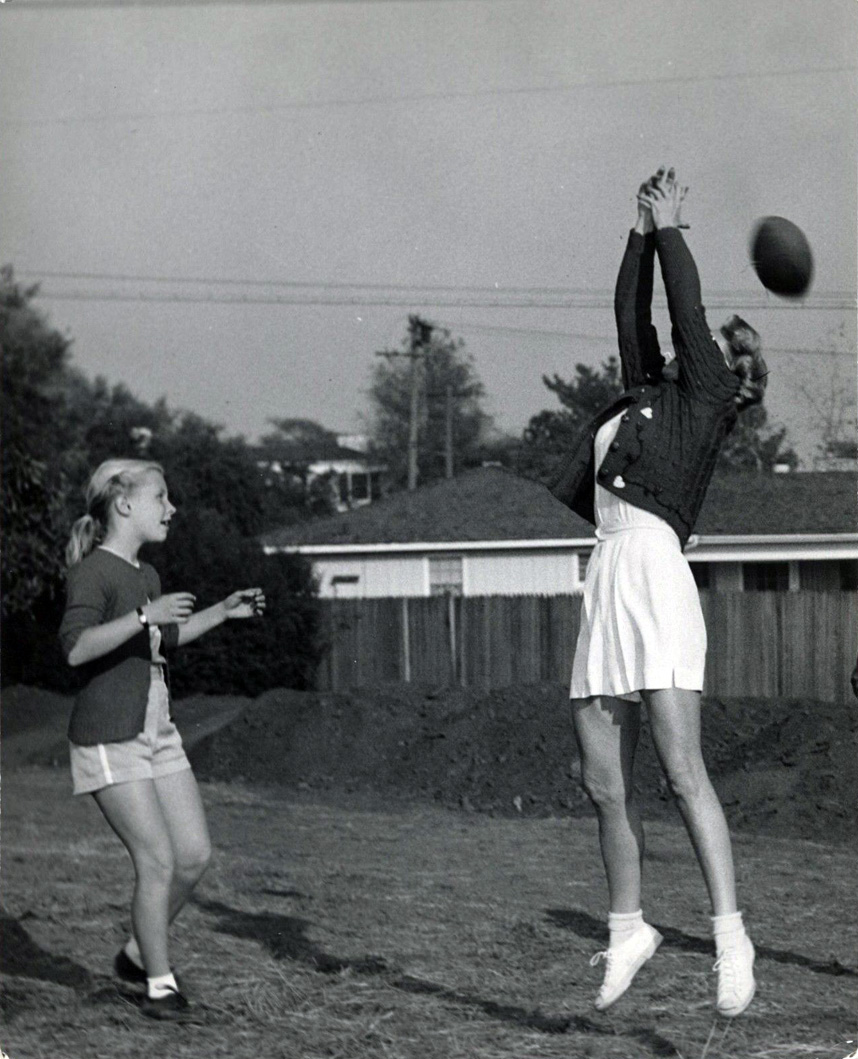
(748, 364)
(111, 479)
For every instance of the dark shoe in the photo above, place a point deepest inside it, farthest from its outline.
(126, 969)
(171, 1006)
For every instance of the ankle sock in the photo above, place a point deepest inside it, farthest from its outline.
(161, 985)
(132, 951)
(623, 924)
(728, 930)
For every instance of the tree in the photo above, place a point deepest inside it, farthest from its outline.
(833, 406)
(57, 427)
(293, 446)
(38, 445)
(754, 446)
(449, 407)
(549, 435)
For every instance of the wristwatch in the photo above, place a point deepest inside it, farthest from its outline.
(141, 617)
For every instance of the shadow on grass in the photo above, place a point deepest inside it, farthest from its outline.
(587, 926)
(285, 938)
(21, 957)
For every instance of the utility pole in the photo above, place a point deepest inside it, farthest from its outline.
(420, 335)
(414, 410)
(448, 431)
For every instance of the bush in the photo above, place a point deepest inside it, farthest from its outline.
(205, 555)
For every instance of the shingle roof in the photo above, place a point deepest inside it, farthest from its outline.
(492, 504)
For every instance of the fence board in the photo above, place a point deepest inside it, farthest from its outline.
(761, 644)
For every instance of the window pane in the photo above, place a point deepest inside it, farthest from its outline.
(360, 487)
(445, 575)
(765, 577)
(849, 574)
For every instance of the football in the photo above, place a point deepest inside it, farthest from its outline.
(781, 256)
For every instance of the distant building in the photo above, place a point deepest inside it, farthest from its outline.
(355, 479)
(488, 532)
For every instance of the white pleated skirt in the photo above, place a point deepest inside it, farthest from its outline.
(641, 622)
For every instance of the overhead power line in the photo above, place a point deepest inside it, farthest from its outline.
(578, 336)
(453, 299)
(354, 293)
(415, 97)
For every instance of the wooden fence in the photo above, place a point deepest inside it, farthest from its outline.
(762, 644)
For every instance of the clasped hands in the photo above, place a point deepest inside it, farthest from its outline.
(660, 201)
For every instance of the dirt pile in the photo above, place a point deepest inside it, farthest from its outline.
(787, 767)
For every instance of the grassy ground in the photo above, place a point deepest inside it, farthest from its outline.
(334, 928)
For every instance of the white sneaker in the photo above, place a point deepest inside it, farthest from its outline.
(622, 963)
(736, 985)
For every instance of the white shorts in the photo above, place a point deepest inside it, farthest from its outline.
(157, 751)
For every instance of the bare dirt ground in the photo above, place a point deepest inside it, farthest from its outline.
(378, 924)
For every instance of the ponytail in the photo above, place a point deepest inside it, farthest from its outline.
(84, 536)
(111, 479)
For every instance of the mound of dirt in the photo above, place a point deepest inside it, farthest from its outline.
(785, 767)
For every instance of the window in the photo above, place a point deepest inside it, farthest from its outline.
(765, 577)
(360, 486)
(848, 575)
(345, 585)
(583, 559)
(343, 483)
(445, 575)
(702, 574)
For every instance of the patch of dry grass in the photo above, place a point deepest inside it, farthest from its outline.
(406, 932)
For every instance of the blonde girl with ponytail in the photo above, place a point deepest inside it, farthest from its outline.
(125, 749)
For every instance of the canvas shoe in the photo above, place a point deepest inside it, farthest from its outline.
(736, 985)
(622, 963)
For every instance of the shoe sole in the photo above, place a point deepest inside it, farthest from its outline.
(173, 1016)
(647, 954)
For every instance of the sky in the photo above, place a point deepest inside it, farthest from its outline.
(236, 205)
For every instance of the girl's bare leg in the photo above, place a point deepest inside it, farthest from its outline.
(185, 820)
(675, 723)
(607, 730)
(134, 812)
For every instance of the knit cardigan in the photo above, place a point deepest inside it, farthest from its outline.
(111, 707)
(671, 430)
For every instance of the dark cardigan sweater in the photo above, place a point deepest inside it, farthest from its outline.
(111, 707)
(664, 458)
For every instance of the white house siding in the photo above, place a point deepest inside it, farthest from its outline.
(492, 573)
(548, 573)
(378, 576)
(528, 567)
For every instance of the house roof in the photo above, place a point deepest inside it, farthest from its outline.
(493, 504)
(290, 452)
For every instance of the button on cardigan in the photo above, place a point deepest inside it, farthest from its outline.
(671, 431)
(111, 707)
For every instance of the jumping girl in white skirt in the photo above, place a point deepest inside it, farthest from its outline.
(640, 473)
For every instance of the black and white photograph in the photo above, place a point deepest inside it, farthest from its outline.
(429, 529)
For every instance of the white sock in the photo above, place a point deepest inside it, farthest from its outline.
(623, 924)
(161, 985)
(132, 951)
(728, 930)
